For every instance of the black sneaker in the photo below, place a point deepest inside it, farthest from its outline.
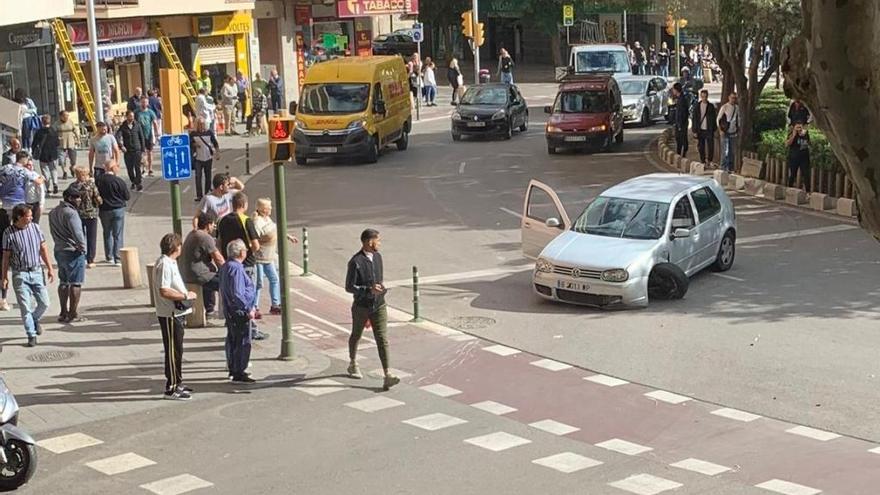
(258, 335)
(32, 342)
(243, 379)
(185, 389)
(178, 395)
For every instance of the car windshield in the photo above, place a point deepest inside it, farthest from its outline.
(626, 218)
(333, 98)
(581, 102)
(485, 96)
(606, 61)
(632, 87)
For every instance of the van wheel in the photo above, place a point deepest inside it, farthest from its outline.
(301, 160)
(373, 153)
(403, 142)
(667, 281)
(619, 137)
(726, 252)
(525, 125)
(407, 127)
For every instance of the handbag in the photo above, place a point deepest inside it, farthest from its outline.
(183, 305)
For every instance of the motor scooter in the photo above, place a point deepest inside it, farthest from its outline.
(18, 452)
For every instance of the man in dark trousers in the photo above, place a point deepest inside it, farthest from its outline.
(705, 127)
(681, 119)
(238, 292)
(111, 211)
(132, 141)
(364, 280)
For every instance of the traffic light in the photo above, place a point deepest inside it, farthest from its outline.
(467, 23)
(682, 23)
(281, 147)
(479, 35)
(670, 25)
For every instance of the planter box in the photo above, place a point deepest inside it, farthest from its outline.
(821, 202)
(774, 192)
(795, 196)
(847, 207)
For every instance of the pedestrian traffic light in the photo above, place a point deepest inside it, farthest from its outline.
(467, 23)
(281, 146)
(479, 34)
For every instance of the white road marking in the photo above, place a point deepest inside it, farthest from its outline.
(806, 431)
(432, 119)
(749, 207)
(667, 397)
(608, 381)
(728, 277)
(795, 233)
(461, 167)
(511, 212)
(457, 277)
(498, 441)
(702, 467)
(68, 443)
(787, 488)
(239, 158)
(623, 447)
(330, 324)
(434, 422)
(462, 337)
(176, 485)
(303, 295)
(120, 464)
(380, 373)
(645, 484)
(493, 407)
(317, 388)
(549, 364)
(374, 404)
(501, 350)
(185, 189)
(756, 212)
(554, 427)
(440, 390)
(735, 414)
(567, 462)
(875, 450)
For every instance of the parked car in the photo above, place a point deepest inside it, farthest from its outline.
(394, 44)
(490, 109)
(638, 240)
(644, 99)
(588, 112)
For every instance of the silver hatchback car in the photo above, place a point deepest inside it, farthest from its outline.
(640, 239)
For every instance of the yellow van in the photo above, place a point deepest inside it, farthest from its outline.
(353, 107)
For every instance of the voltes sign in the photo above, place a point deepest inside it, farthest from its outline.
(360, 8)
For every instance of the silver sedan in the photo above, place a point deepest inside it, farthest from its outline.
(640, 239)
(644, 99)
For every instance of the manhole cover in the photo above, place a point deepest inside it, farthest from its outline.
(50, 356)
(471, 322)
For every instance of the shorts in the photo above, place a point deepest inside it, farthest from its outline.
(71, 267)
(148, 144)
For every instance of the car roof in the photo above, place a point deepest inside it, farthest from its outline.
(655, 187)
(586, 82)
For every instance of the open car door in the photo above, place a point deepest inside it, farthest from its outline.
(543, 218)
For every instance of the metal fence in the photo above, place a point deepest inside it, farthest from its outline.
(834, 183)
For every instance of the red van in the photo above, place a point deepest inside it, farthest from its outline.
(587, 113)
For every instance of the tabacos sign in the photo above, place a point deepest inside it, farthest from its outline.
(361, 8)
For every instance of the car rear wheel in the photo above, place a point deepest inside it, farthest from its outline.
(551, 150)
(403, 142)
(726, 253)
(301, 160)
(667, 281)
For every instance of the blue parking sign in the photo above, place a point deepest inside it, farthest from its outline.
(176, 158)
(417, 32)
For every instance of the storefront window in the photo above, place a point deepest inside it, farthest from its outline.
(331, 39)
(25, 70)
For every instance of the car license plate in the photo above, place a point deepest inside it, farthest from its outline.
(476, 124)
(575, 138)
(575, 286)
(326, 149)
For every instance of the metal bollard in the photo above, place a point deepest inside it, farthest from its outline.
(247, 158)
(416, 317)
(305, 241)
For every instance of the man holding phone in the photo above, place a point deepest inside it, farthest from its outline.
(364, 279)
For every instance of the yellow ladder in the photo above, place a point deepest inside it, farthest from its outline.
(171, 55)
(82, 86)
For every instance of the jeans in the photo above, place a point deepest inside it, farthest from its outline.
(271, 273)
(640, 69)
(209, 293)
(50, 172)
(203, 176)
(507, 77)
(430, 94)
(379, 321)
(795, 165)
(133, 165)
(238, 345)
(698, 70)
(90, 228)
(71, 267)
(664, 70)
(728, 148)
(113, 226)
(706, 145)
(30, 288)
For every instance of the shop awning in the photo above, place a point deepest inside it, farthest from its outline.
(119, 49)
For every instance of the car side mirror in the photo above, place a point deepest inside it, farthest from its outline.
(553, 223)
(548, 109)
(681, 233)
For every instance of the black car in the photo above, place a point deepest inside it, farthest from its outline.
(490, 109)
(394, 44)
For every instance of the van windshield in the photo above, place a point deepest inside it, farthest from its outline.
(581, 102)
(333, 98)
(602, 61)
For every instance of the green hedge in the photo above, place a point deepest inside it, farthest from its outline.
(821, 155)
(770, 113)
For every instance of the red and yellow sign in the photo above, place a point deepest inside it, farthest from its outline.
(362, 8)
(300, 59)
(123, 29)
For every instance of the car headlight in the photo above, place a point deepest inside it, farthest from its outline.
(630, 107)
(357, 124)
(543, 266)
(615, 275)
(500, 114)
(552, 129)
(300, 124)
(598, 128)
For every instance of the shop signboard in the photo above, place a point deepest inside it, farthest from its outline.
(364, 8)
(122, 29)
(21, 37)
(222, 25)
(300, 59)
(302, 14)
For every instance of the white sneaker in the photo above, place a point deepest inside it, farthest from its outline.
(354, 371)
(4, 306)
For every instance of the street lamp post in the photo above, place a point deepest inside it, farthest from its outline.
(93, 58)
(476, 46)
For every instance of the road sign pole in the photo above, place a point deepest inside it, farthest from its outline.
(283, 266)
(476, 48)
(419, 79)
(175, 207)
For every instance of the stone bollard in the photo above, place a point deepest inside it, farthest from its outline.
(197, 318)
(721, 177)
(684, 164)
(795, 196)
(754, 186)
(737, 182)
(847, 207)
(697, 168)
(774, 192)
(150, 283)
(821, 202)
(131, 267)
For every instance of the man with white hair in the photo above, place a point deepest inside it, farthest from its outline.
(238, 293)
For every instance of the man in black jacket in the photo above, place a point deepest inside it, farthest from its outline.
(704, 127)
(133, 142)
(115, 197)
(681, 119)
(364, 280)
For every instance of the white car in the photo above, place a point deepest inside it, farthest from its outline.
(642, 237)
(645, 98)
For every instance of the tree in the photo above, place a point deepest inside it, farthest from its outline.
(832, 66)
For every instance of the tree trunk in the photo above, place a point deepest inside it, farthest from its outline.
(556, 47)
(832, 67)
(727, 81)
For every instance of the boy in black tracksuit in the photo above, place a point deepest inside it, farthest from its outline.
(705, 125)
(133, 142)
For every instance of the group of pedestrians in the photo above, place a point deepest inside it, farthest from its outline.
(656, 62)
(232, 95)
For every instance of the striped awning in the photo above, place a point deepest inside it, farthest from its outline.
(119, 49)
